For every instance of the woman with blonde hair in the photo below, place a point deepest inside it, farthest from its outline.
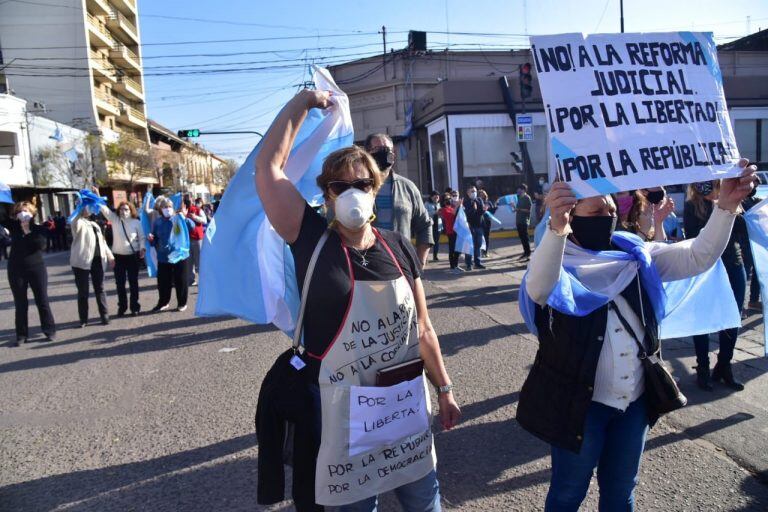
(701, 201)
(128, 248)
(366, 314)
(26, 269)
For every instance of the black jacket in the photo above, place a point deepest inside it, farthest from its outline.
(285, 398)
(474, 210)
(26, 250)
(732, 255)
(558, 391)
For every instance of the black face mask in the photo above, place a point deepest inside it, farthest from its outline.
(655, 196)
(593, 233)
(384, 158)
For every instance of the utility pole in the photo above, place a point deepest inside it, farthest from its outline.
(621, 13)
(384, 55)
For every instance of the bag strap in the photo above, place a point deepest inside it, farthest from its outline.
(126, 237)
(297, 331)
(643, 352)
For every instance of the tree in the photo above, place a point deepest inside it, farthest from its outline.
(225, 172)
(76, 167)
(132, 158)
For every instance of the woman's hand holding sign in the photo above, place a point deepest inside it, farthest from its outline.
(560, 200)
(734, 190)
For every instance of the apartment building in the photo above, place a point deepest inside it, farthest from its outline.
(81, 60)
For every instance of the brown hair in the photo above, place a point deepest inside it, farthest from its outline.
(130, 207)
(700, 207)
(340, 160)
(483, 194)
(31, 208)
(382, 136)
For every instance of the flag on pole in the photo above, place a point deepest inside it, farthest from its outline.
(146, 224)
(247, 270)
(757, 227)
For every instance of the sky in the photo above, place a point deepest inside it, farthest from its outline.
(232, 64)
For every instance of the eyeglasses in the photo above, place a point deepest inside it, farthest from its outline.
(339, 187)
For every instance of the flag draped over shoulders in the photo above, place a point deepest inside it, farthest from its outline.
(179, 239)
(757, 227)
(246, 269)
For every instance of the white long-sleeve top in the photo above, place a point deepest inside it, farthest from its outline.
(85, 233)
(619, 379)
(120, 244)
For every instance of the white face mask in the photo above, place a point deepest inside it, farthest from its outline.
(24, 216)
(167, 212)
(473, 195)
(354, 208)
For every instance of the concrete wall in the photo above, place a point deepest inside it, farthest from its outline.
(14, 161)
(52, 33)
(43, 134)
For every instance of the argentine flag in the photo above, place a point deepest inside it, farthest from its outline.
(757, 226)
(246, 269)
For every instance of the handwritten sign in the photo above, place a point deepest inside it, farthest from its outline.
(628, 111)
(379, 416)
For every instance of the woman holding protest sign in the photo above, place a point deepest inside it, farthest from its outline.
(589, 394)
(702, 198)
(365, 322)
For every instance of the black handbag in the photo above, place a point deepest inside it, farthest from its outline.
(661, 391)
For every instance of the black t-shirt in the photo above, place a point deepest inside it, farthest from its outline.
(694, 224)
(330, 289)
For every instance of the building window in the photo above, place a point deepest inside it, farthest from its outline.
(439, 158)
(9, 144)
(752, 140)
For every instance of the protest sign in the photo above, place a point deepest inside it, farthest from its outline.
(629, 111)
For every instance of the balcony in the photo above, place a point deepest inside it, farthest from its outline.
(125, 6)
(132, 116)
(98, 33)
(106, 104)
(98, 6)
(125, 57)
(122, 27)
(129, 87)
(103, 70)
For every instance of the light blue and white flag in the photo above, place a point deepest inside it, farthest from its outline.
(5, 193)
(510, 200)
(493, 218)
(179, 239)
(589, 280)
(757, 226)
(89, 200)
(247, 270)
(146, 224)
(464, 243)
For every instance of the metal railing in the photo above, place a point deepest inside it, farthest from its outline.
(127, 52)
(101, 27)
(106, 98)
(131, 82)
(102, 63)
(123, 19)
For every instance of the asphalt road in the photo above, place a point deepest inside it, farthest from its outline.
(156, 412)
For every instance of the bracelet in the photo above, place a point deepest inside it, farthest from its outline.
(444, 389)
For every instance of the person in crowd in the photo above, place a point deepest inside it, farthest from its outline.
(542, 188)
(196, 215)
(208, 211)
(625, 200)
(474, 210)
(584, 392)
(650, 208)
(399, 206)
(523, 219)
(26, 269)
(455, 199)
(754, 303)
(50, 234)
(381, 270)
(169, 275)
(488, 207)
(447, 214)
(5, 242)
(128, 248)
(89, 257)
(704, 199)
(61, 231)
(433, 207)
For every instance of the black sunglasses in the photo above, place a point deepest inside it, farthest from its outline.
(339, 187)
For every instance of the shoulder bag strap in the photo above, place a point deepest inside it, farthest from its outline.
(305, 289)
(126, 236)
(643, 352)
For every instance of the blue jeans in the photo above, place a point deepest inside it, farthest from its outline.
(477, 243)
(738, 280)
(420, 496)
(613, 442)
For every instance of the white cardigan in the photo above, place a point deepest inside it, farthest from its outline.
(84, 244)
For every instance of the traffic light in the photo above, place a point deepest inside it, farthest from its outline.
(189, 133)
(526, 81)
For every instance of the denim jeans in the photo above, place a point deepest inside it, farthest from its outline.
(738, 280)
(613, 442)
(477, 243)
(423, 495)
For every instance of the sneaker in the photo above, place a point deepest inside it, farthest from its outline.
(105, 320)
(468, 268)
(161, 308)
(83, 324)
(457, 270)
(181, 308)
(480, 266)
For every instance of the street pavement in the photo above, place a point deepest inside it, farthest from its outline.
(155, 413)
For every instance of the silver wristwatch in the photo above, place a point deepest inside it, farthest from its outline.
(444, 389)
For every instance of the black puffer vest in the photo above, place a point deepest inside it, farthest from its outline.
(558, 391)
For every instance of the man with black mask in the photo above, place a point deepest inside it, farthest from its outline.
(399, 205)
(585, 391)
